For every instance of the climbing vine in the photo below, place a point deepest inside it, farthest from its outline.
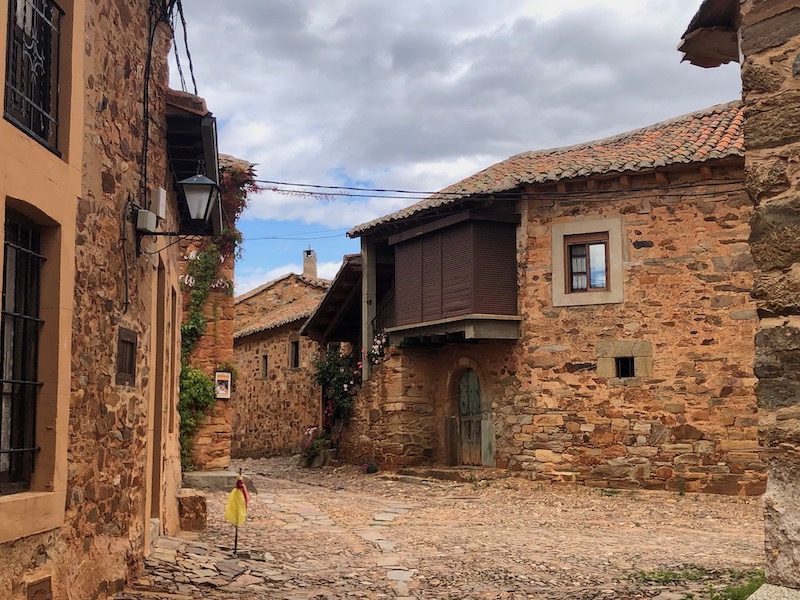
(339, 380)
(197, 397)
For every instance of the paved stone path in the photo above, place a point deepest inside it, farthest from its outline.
(342, 534)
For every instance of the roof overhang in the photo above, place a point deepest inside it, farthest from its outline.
(473, 327)
(192, 136)
(338, 316)
(711, 39)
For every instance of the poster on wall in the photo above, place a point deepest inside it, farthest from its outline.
(222, 383)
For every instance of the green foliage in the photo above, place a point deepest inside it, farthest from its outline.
(196, 400)
(200, 273)
(229, 367)
(339, 381)
(667, 576)
(755, 579)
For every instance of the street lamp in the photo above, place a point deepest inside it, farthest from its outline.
(201, 195)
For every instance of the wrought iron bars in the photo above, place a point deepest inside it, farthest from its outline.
(32, 68)
(19, 352)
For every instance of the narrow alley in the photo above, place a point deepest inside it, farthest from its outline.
(341, 533)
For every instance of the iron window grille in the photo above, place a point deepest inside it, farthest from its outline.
(19, 340)
(625, 366)
(32, 68)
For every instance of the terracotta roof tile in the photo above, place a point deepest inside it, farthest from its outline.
(713, 133)
(294, 311)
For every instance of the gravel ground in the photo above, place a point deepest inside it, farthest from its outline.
(340, 533)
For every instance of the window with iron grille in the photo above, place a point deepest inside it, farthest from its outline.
(19, 341)
(32, 68)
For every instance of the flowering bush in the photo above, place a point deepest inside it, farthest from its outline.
(370, 467)
(378, 348)
(314, 440)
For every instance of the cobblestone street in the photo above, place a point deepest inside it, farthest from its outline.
(340, 533)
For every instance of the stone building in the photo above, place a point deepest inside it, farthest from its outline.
(766, 35)
(89, 462)
(276, 401)
(581, 314)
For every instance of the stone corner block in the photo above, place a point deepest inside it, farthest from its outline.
(192, 510)
(775, 592)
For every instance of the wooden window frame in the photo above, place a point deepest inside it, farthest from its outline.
(264, 366)
(127, 342)
(586, 239)
(294, 354)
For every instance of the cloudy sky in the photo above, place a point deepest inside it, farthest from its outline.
(418, 94)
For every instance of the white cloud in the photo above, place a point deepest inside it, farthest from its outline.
(250, 278)
(422, 93)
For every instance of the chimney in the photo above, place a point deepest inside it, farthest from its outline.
(310, 264)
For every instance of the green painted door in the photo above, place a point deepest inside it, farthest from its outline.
(469, 405)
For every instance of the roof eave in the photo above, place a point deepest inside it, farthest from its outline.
(711, 38)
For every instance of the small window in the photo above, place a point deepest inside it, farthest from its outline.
(31, 99)
(264, 366)
(294, 354)
(625, 366)
(587, 262)
(126, 357)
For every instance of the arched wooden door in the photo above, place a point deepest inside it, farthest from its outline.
(469, 408)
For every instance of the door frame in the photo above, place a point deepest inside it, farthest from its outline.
(453, 418)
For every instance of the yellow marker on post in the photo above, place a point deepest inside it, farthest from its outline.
(236, 509)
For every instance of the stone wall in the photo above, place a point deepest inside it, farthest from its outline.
(688, 421)
(770, 43)
(212, 446)
(271, 415)
(122, 447)
(252, 306)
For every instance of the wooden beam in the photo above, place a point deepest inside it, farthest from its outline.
(706, 172)
(355, 290)
(624, 182)
(662, 178)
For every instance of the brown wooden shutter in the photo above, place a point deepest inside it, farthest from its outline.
(457, 270)
(495, 269)
(408, 294)
(432, 277)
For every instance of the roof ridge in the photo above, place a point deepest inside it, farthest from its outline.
(716, 108)
(319, 282)
(689, 138)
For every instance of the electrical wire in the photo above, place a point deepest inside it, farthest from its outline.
(186, 44)
(123, 238)
(341, 190)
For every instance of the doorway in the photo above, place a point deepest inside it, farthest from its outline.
(469, 410)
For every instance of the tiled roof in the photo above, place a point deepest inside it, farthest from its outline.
(713, 133)
(294, 311)
(320, 283)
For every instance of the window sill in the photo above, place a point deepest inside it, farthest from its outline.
(29, 513)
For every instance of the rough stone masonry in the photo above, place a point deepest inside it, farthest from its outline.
(770, 43)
